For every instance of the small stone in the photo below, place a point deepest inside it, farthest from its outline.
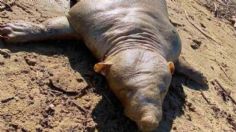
(30, 61)
(16, 60)
(196, 44)
(1, 63)
(202, 25)
(5, 53)
(25, 71)
(51, 106)
(50, 110)
(188, 117)
(191, 107)
(7, 118)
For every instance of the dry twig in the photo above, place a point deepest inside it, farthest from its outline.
(217, 84)
(205, 98)
(199, 29)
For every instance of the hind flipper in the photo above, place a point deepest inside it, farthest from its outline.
(183, 67)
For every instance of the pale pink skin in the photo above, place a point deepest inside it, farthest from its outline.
(135, 37)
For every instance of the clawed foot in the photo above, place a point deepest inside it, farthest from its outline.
(19, 32)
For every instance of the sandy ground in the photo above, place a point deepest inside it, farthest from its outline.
(51, 86)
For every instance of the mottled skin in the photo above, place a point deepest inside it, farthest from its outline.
(134, 42)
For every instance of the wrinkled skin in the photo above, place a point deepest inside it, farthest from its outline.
(140, 79)
(109, 26)
(134, 42)
(138, 41)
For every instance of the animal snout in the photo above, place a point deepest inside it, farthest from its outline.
(150, 120)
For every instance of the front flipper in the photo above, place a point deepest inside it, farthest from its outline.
(21, 31)
(183, 67)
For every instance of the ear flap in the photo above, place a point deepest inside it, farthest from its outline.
(171, 67)
(102, 67)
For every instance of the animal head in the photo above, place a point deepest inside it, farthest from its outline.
(140, 79)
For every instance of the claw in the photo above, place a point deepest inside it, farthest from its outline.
(2, 26)
(4, 37)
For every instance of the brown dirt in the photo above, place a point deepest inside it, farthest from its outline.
(51, 86)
